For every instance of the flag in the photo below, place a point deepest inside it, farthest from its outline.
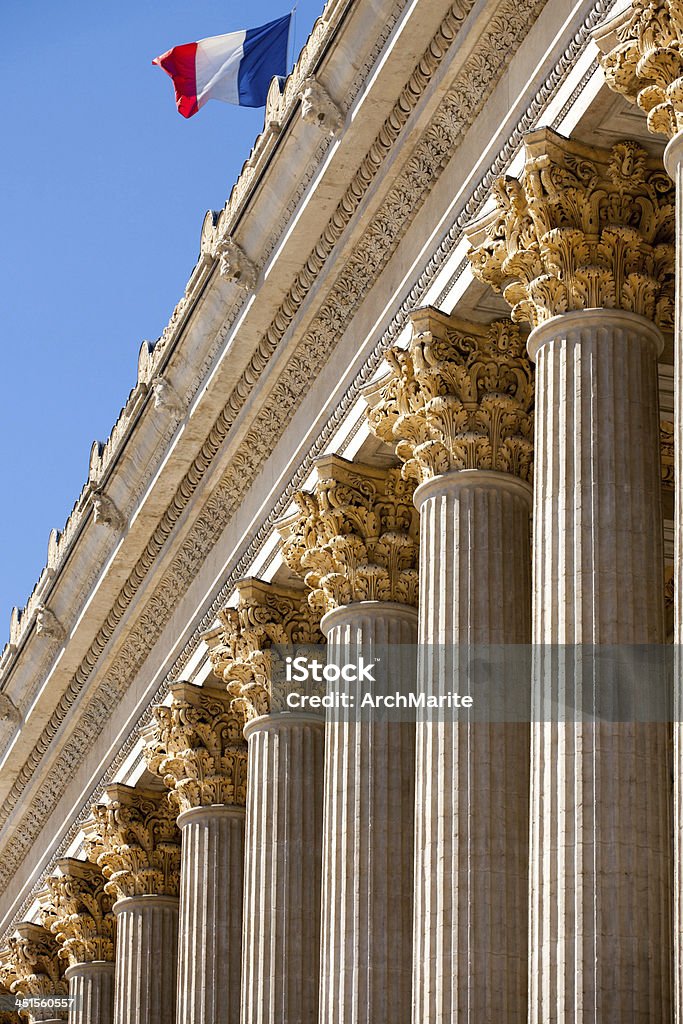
(235, 68)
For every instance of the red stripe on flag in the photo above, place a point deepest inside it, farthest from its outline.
(180, 63)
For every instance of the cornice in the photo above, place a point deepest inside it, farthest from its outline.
(383, 234)
(153, 356)
(14, 850)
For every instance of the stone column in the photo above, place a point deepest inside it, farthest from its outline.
(31, 969)
(195, 745)
(457, 406)
(133, 839)
(642, 60)
(92, 987)
(79, 913)
(582, 248)
(284, 805)
(355, 543)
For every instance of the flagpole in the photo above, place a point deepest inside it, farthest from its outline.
(292, 36)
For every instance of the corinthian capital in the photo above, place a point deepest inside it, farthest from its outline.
(29, 966)
(355, 537)
(79, 912)
(267, 614)
(196, 747)
(643, 61)
(133, 838)
(460, 397)
(584, 228)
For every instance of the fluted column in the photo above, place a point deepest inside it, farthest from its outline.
(355, 543)
(284, 805)
(581, 248)
(146, 972)
(457, 406)
(91, 985)
(133, 838)
(31, 969)
(195, 745)
(79, 914)
(642, 60)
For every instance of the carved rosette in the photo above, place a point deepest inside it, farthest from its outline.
(133, 838)
(30, 966)
(196, 747)
(80, 913)
(646, 65)
(460, 397)
(585, 228)
(355, 537)
(267, 615)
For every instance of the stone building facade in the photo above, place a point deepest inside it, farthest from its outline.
(422, 392)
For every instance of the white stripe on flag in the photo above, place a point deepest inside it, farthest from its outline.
(217, 67)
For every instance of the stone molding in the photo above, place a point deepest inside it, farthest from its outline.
(30, 966)
(266, 614)
(295, 381)
(153, 354)
(585, 228)
(195, 746)
(79, 912)
(355, 536)
(646, 64)
(460, 397)
(102, 702)
(134, 840)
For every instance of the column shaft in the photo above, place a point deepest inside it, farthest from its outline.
(367, 835)
(91, 986)
(673, 159)
(210, 925)
(283, 869)
(601, 789)
(146, 960)
(472, 778)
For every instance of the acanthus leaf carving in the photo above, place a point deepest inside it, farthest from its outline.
(646, 65)
(267, 614)
(30, 966)
(196, 747)
(79, 912)
(355, 537)
(134, 840)
(460, 397)
(585, 227)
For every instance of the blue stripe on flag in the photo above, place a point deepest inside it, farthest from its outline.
(265, 56)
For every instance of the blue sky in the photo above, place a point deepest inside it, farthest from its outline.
(103, 190)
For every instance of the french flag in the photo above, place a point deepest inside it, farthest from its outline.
(235, 68)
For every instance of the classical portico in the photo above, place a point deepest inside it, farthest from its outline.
(420, 404)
